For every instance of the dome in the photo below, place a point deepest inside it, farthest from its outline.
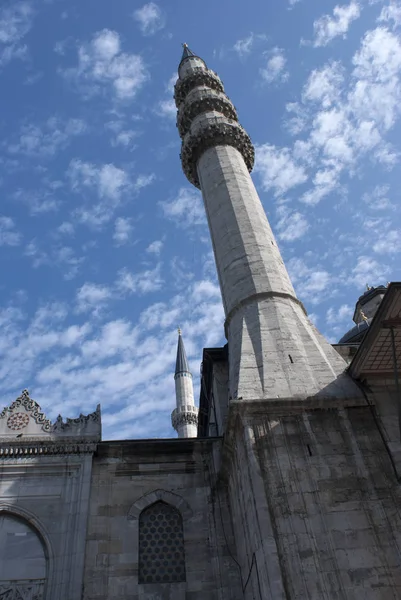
(356, 334)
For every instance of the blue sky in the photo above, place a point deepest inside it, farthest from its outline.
(104, 245)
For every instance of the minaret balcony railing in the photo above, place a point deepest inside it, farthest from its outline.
(184, 415)
(208, 134)
(203, 100)
(200, 77)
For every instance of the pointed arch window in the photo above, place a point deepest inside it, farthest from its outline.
(22, 560)
(161, 545)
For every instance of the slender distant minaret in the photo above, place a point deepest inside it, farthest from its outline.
(185, 417)
(275, 353)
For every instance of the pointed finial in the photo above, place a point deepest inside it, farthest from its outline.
(187, 53)
(179, 331)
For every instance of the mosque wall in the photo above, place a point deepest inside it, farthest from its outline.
(142, 493)
(330, 511)
(44, 498)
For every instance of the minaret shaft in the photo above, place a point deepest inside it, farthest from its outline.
(247, 257)
(274, 351)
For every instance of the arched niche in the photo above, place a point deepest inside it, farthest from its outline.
(23, 559)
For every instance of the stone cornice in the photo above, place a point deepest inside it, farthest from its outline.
(216, 134)
(35, 447)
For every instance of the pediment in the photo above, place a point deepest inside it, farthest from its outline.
(24, 419)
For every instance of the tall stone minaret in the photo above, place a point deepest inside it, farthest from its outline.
(184, 418)
(275, 352)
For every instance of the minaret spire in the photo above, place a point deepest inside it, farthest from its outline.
(274, 351)
(185, 416)
(186, 52)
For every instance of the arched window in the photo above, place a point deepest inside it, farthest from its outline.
(22, 560)
(161, 545)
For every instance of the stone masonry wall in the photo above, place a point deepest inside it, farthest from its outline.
(51, 493)
(128, 477)
(331, 500)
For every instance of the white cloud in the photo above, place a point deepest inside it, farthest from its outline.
(186, 209)
(102, 63)
(390, 242)
(313, 284)
(66, 228)
(391, 13)
(378, 199)
(155, 247)
(92, 297)
(108, 183)
(291, 225)
(298, 119)
(379, 58)
(48, 139)
(275, 67)
(143, 282)
(277, 169)
(243, 47)
(344, 118)
(109, 180)
(387, 155)
(166, 107)
(15, 21)
(328, 27)
(334, 316)
(150, 18)
(122, 136)
(368, 271)
(122, 230)
(8, 234)
(324, 85)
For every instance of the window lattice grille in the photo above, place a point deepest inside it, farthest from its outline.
(161, 545)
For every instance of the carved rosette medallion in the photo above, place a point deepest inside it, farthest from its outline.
(17, 421)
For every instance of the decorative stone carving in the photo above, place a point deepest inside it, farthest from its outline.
(188, 415)
(20, 590)
(208, 102)
(31, 407)
(200, 77)
(25, 430)
(27, 448)
(94, 417)
(217, 134)
(17, 421)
